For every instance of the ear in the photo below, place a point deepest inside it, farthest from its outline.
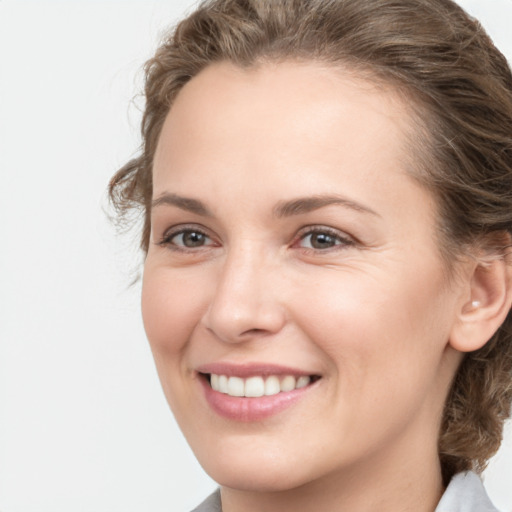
(484, 306)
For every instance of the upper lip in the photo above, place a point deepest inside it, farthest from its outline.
(250, 370)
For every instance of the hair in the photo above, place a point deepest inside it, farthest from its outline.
(462, 87)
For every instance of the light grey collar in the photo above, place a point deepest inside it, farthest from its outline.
(465, 493)
(210, 504)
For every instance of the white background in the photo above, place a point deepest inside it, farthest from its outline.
(84, 426)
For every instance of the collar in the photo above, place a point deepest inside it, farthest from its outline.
(465, 493)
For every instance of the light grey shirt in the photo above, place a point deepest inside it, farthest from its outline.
(465, 493)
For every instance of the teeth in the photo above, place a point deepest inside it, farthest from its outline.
(254, 387)
(272, 386)
(288, 383)
(223, 383)
(236, 386)
(302, 381)
(257, 386)
(214, 382)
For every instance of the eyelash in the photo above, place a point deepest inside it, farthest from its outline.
(342, 241)
(166, 240)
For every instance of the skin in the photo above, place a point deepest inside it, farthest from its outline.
(373, 314)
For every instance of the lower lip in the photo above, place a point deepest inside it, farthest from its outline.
(251, 409)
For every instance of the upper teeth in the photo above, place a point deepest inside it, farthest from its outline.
(256, 386)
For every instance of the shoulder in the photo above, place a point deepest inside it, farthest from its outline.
(210, 504)
(465, 493)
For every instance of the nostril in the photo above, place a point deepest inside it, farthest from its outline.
(233, 330)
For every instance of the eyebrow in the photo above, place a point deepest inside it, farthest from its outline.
(184, 203)
(307, 204)
(298, 206)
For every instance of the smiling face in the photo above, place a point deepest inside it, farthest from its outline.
(291, 256)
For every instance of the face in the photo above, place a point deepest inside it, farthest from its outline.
(294, 296)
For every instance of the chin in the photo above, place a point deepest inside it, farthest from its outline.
(256, 478)
(246, 471)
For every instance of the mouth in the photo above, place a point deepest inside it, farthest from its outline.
(257, 386)
(254, 392)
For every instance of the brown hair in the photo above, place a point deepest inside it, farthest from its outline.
(452, 73)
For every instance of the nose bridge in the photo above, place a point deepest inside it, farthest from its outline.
(245, 302)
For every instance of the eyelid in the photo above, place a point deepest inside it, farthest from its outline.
(165, 238)
(345, 238)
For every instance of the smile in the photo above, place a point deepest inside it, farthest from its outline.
(257, 386)
(255, 392)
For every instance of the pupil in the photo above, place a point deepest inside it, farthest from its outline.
(193, 239)
(321, 241)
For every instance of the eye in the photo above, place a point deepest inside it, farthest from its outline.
(190, 239)
(186, 239)
(322, 238)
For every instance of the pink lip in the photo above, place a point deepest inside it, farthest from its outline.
(245, 409)
(250, 370)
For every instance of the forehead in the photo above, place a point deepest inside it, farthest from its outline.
(286, 130)
(275, 104)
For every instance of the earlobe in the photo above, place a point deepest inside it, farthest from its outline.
(489, 301)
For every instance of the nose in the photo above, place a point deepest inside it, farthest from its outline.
(245, 304)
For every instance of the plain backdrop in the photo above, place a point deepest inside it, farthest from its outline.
(84, 426)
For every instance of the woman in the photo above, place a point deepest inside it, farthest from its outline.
(326, 189)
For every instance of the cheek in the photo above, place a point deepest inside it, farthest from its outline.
(384, 354)
(388, 304)
(172, 305)
(380, 329)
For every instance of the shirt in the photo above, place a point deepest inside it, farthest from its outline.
(465, 493)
